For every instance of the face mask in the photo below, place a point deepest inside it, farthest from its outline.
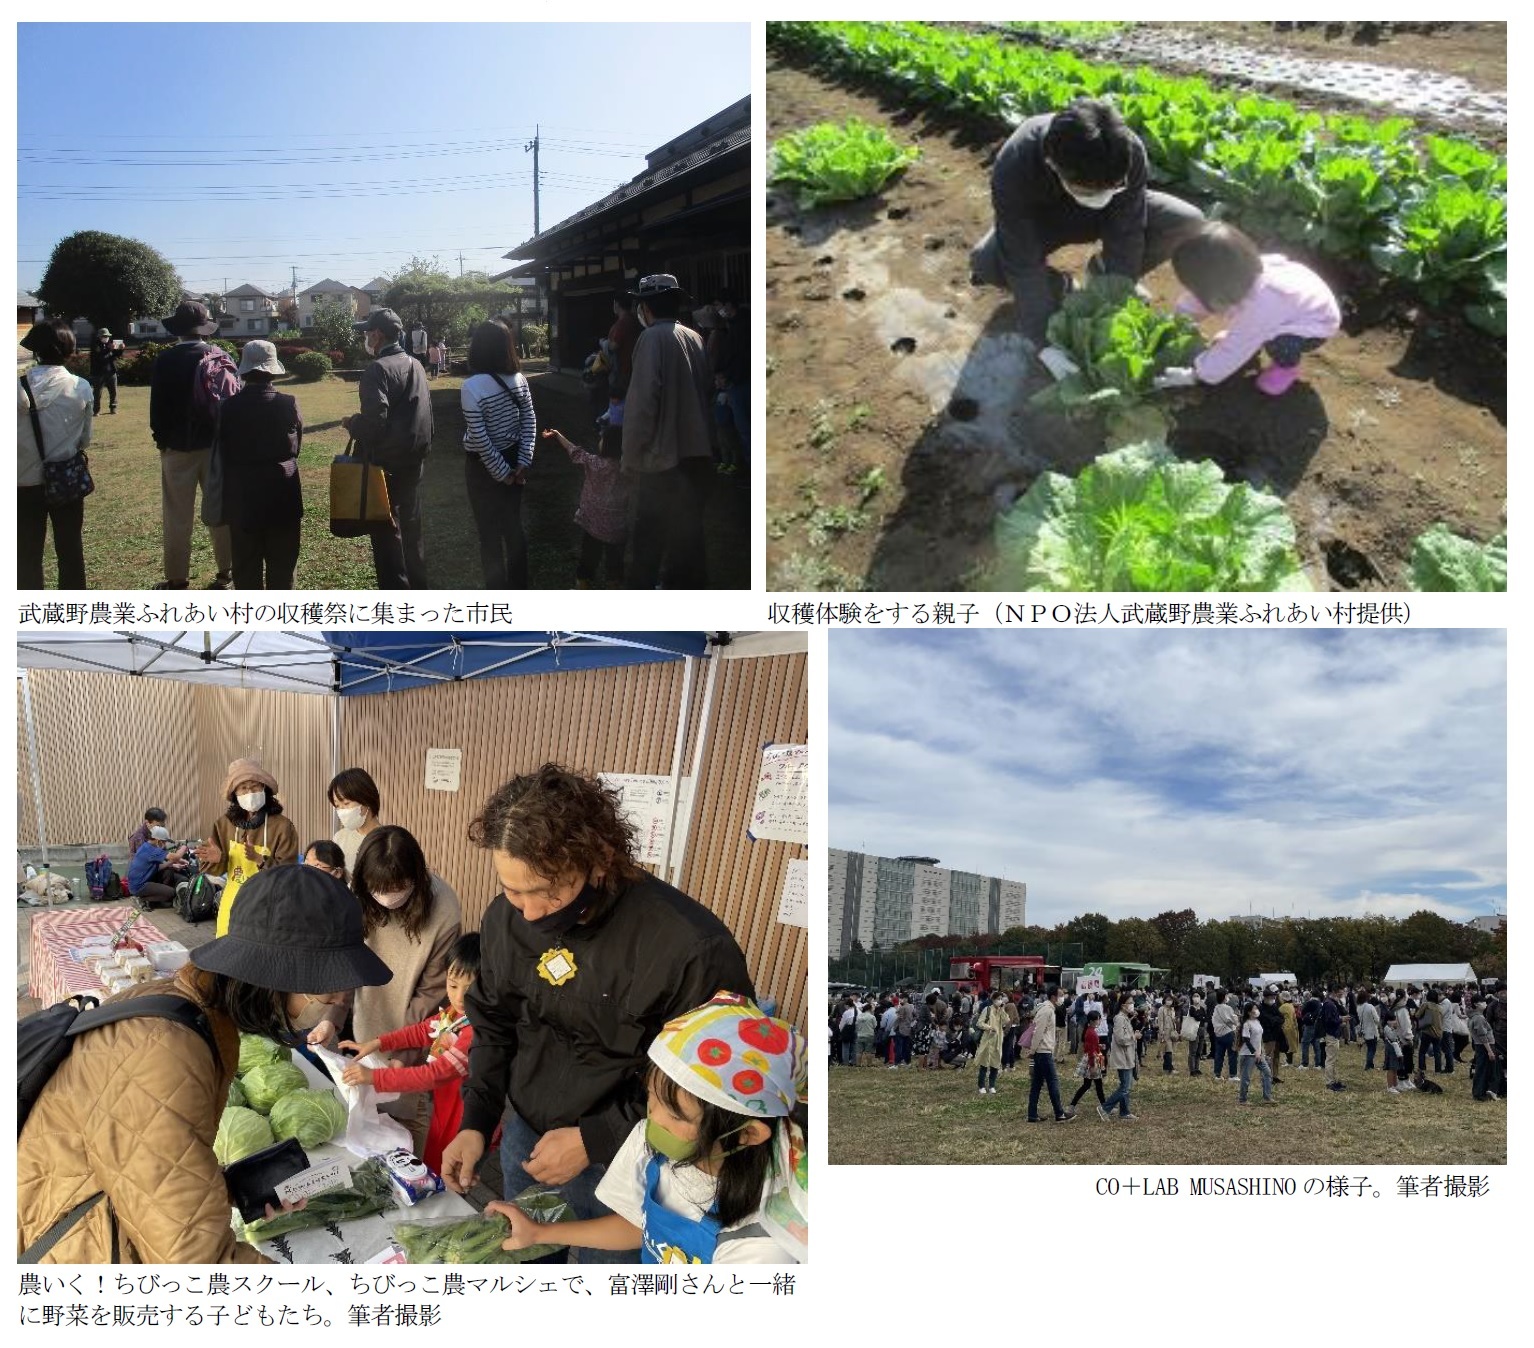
(562, 919)
(251, 801)
(640, 313)
(352, 816)
(313, 1013)
(1093, 201)
(393, 900)
(666, 1143)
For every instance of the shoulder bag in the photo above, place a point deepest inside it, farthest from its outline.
(63, 483)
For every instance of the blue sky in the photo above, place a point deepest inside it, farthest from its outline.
(1333, 774)
(343, 149)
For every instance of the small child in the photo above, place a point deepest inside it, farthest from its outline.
(716, 1172)
(434, 355)
(446, 1037)
(1089, 1067)
(1270, 303)
(603, 510)
(936, 1047)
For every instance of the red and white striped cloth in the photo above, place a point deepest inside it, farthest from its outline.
(54, 975)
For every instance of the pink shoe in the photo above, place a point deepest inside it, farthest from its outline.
(1277, 379)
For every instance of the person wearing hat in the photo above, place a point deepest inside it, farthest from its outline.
(132, 1112)
(584, 958)
(393, 430)
(260, 434)
(667, 444)
(104, 351)
(717, 1172)
(153, 873)
(251, 835)
(183, 428)
(53, 426)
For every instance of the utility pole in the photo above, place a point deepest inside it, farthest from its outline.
(533, 146)
(460, 262)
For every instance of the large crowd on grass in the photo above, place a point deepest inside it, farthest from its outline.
(1239, 1034)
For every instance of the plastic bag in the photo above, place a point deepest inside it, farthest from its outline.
(368, 1132)
(477, 1239)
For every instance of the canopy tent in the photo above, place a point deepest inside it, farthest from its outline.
(1268, 980)
(1430, 973)
(348, 663)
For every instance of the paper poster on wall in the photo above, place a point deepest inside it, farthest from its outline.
(780, 810)
(646, 801)
(794, 906)
(444, 769)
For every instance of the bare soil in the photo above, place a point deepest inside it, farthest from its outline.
(898, 413)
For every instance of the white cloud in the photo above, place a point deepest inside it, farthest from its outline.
(1129, 773)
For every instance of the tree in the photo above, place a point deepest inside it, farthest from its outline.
(287, 312)
(1175, 928)
(1091, 930)
(108, 279)
(332, 327)
(1136, 941)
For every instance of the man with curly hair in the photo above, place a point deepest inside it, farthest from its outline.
(584, 957)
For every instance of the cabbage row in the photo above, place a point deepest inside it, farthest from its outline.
(1428, 213)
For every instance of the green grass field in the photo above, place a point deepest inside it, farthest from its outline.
(122, 518)
(910, 1117)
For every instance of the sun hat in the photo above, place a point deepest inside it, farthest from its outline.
(295, 929)
(729, 1053)
(163, 834)
(190, 318)
(247, 770)
(103, 332)
(658, 283)
(259, 355)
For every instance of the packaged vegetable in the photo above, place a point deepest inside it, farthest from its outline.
(256, 1049)
(369, 1193)
(312, 1117)
(477, 1240)
(413, 1180)
(241, 1133)
(268, 1083)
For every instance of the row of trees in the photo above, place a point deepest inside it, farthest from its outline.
(113, 280)
(1348, 949)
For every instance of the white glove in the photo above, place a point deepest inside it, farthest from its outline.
(1178, 376)
(1053, 359)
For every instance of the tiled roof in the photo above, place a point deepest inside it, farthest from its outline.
(326, 287)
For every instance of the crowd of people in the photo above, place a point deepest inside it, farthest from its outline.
(583, 1030)
(1242, 1035)
(229, 438)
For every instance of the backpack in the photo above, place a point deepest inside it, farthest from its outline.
(215, 380)
(44, 1039)
(196, 899)
(104, 883)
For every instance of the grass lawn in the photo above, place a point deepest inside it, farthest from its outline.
(122, 518)
(879, 1117)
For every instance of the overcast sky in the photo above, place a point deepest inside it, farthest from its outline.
(1334, 774)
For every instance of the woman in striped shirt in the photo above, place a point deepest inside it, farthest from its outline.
(499, 428)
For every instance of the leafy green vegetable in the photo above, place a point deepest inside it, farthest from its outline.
(268, 1083)
(241, 1133)
(1442, 560)
(256, 1049)
(236, 1094)
(313, 1117)
(1449, 236)
(829, 163)
(1120, 342)
(1139, 519)
(477, 1240)
(370, 1192)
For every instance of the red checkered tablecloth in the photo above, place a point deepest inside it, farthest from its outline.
(54, 975)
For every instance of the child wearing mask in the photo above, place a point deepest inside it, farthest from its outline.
(717, 1173)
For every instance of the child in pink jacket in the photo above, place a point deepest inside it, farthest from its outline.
(1270, 303)
(447, 1037)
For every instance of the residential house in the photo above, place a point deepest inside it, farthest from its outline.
(249, 312)
(370, 296)
(326, 292)
(152, 330)
(29, 310)
(688, 213)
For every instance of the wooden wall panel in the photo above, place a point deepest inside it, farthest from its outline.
(112, 744)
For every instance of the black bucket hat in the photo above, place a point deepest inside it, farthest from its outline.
(190, 319)
(295, 929)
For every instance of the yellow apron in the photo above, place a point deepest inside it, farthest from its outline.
(243, 862)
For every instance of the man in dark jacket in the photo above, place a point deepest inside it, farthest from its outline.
(183, 430)
(1272, 1021)
(104, 349)
(578, 973)
(730, 357)
(393, 430)
(1329, 1028)
(1076, 176)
